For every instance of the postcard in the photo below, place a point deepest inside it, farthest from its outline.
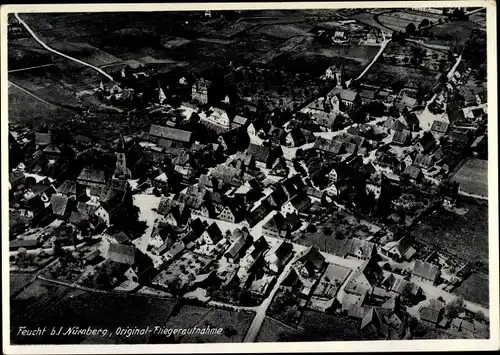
(189, 178)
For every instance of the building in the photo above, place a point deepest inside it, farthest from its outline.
(168, 137)
(239, 247)
(219, 116)
(201, 91)
(265, 155)
(212, 235)
(426, 143)
(431, 316)
(401, 137)
(424, 271)
(92, 178)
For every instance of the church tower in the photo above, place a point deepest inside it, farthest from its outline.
(121, 170)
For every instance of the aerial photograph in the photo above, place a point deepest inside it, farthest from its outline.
(230, 176)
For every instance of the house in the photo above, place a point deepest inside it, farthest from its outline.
(401, 137)
(161, 182)
(310, 262)
(406, 102)
(92, 178)
(297, 204)
(349, 98)
(395, 124)
(424, 271)
(360, 249)
(258, 248)
(16, 244)
(440, 127)
(61, 205)
(330, 146)
(184, 164)
(368, 276)
(278, 258)
(413, 173)
(423, 161)
(426, 143)
(119, 238)
(121, 253)
(70, 188)
(239, 121)
(298, 137)
(431, 316)
(219, 116)
(257, 214)
(212, 235)
(42, 140)
(279, 226)
(400, 250)
(51, 151)
(16, 180)
(412, 121)
(175, 249)
(367, 96)
(169, 137)
(265, 155)
(231, 213)
(239, 247)
(201, 91)
(332, 175)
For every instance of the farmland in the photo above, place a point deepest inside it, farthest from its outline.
(473, 177)
(382, 74)
(475, 289)
(454, 33)
(273, 330)
(397, 21)
(455, 234)
(18, 282)
(24, 108)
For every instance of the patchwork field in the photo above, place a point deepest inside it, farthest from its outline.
(398, 21)
(18, 282)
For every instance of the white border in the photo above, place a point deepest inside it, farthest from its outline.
(350, 346)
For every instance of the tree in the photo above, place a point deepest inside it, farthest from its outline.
(480, 317)
(455, 307)
(410, 29)
(424, 23)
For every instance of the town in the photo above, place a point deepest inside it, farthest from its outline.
(320, 175)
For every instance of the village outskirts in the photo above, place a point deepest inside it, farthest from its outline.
(340, 202)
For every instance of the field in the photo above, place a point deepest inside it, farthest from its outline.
(456, 234)
(456, 32)
(273, 331)
(324, 327)
(386, 75)
(369, 20)
(285, 31)
(398, 21)
(85, 52)
(475, 289)
(18, 282)
(473, 177)
(24, 108)
(84, 309)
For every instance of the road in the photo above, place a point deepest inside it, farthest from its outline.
(254, 328)
(33, 34)
(384, 44)
(474, 11)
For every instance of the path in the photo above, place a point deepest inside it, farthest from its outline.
(474, 11)
(21, 21)
(254, 328)
(29, 68)
(384, 44)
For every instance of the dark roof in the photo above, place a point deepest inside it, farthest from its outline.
(425, 270)
(16, 175)
(427, 141)
(43, 138)
(239, 245)
(412, 171)
(423, 161)
(455, 116)
(284, 250)
(52, 148)
(430, 314)
(348, 95)
(23, 243)
(440, 126)
(59, 204)
(313, 256)
(401, 137)
(259, 152)
(68, 187)
(240, 120)
(214, 233)
(367, 94)
(88, 174)
(120, 253)
(258, 214)
(328, 145)
(170, 133)
(121, 237)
